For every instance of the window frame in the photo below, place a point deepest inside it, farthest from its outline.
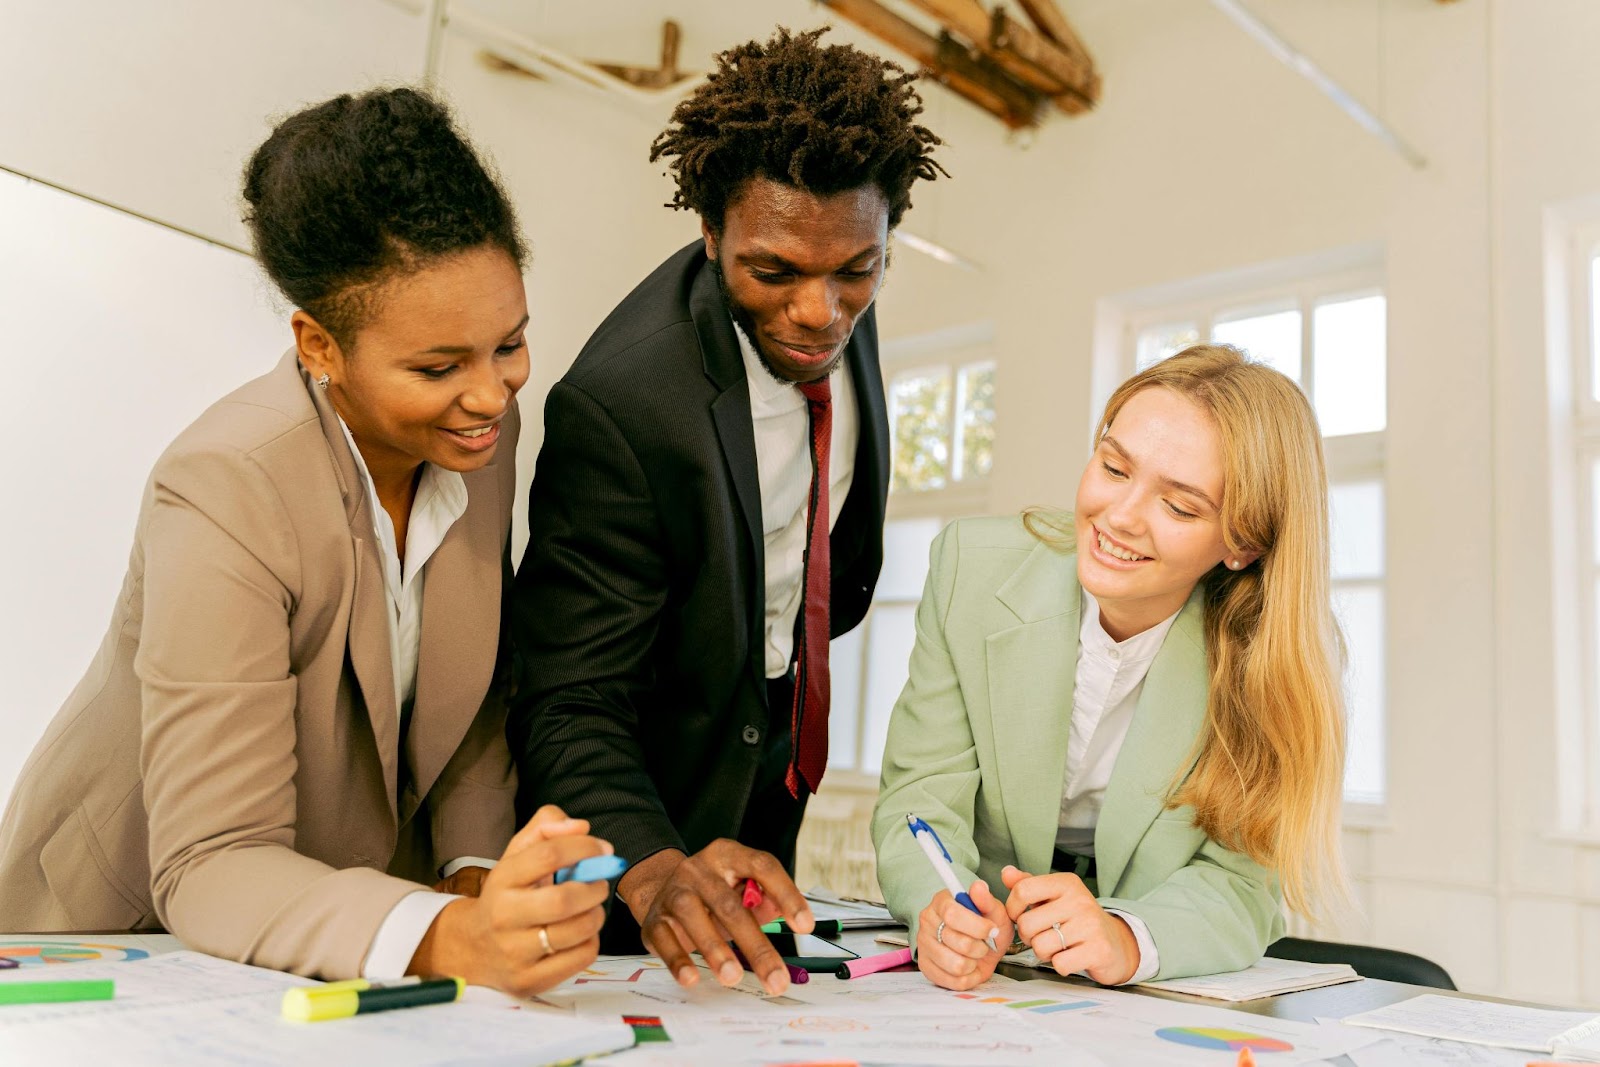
(1583, 246)
(950, 350)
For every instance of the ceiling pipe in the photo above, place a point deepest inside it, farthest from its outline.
(1302, 64)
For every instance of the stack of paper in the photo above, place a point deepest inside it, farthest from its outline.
(1269, 978)
(852, 914)
(186, 1008)
(1573, 1036)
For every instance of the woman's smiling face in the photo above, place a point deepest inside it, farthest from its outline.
(1149, 510)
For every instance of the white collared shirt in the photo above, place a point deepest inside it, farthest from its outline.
(1110, 677)
(441, 500)
(783, 461)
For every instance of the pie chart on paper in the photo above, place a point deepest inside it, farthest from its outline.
(1210, 1037)
(45, 953)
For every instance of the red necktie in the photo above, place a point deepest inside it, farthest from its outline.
(809, 735)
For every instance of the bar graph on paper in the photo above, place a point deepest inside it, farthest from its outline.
(1038, 1006)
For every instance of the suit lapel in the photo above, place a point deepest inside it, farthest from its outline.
(736, 436)
(460, 606)
(1168, 718)
(368, 640)
(872, 451)
(1032, 673)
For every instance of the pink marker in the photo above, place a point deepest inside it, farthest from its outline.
(873, 964)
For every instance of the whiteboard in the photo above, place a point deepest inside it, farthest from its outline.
(115, 333)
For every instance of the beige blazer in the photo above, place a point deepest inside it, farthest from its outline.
(231, 767)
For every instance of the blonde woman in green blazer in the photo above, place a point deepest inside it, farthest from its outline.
(1191, 758)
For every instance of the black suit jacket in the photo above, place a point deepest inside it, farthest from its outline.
(638, 613)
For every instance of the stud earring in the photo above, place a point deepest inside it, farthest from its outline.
(323, 381)
(1235, 564)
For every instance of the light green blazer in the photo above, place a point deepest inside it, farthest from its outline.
(978, 747)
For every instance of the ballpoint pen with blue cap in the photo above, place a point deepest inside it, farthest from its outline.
(939, 856)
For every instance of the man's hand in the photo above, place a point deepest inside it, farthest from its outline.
(1066, 926)
(952, 942)
(685, 904)
(465, 882)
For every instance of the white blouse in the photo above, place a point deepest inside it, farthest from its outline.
(441, 499)
(1110, 677)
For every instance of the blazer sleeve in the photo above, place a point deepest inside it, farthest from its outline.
(1218, 912)
(584, 617)
(218, 726)
(930, 764)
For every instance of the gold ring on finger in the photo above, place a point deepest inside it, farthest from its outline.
(938, 935)
(1061, 936)
(544, 940)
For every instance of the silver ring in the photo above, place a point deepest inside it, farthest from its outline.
(938, 935)
(544, 941)
(1061, 936)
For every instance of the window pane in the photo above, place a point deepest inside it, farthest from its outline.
(1357, 536)
(976, 421)
(905, 558)
(1349, 373)
(921, 410)
(844, 707)
(1272, 339)
(1360, 612)
(1594, 328)
(1158, 342)
(891, 633)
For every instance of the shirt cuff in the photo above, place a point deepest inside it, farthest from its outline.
(402, 931)
(1149, 958)
(465, 861)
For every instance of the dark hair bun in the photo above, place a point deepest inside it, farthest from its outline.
(352, 190)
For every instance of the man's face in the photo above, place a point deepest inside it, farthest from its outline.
(798, 270)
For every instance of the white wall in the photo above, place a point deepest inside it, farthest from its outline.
(1206, 155)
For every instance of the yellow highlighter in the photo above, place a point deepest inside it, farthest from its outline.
(340, 1000)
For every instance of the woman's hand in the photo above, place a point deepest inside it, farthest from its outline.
(959, 958)
(1066, 926)
(523, 933)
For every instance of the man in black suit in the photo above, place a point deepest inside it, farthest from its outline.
(707, 509)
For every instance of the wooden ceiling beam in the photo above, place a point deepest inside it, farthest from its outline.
(1041, 64)
(982, 82)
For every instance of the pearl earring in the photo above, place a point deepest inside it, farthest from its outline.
(323, 381)
(1235, 564)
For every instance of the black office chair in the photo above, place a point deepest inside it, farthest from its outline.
(1369, 961)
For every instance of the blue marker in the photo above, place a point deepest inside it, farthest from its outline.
(593, 869)
(939, 856)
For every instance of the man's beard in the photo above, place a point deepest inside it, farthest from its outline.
(747, 323)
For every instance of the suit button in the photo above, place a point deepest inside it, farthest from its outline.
(751, 735)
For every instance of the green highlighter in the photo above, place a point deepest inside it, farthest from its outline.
(56, 992)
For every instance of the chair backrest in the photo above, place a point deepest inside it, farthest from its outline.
(1369, 961)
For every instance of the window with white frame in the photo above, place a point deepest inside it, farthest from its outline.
(940, 390)
(1585, 301)
(1326, 331)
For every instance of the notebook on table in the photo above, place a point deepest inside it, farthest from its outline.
(1573, 1036)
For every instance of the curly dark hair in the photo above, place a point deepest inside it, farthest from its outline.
(358, 189)
(823, 119)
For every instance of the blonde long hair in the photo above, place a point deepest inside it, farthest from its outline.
(1268, 767)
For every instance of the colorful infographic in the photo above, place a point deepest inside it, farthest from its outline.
(1210, 1037)
(1041, 1007)
(44, 953)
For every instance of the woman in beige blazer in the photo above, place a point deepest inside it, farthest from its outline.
(292, 727)
(1125, 720)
